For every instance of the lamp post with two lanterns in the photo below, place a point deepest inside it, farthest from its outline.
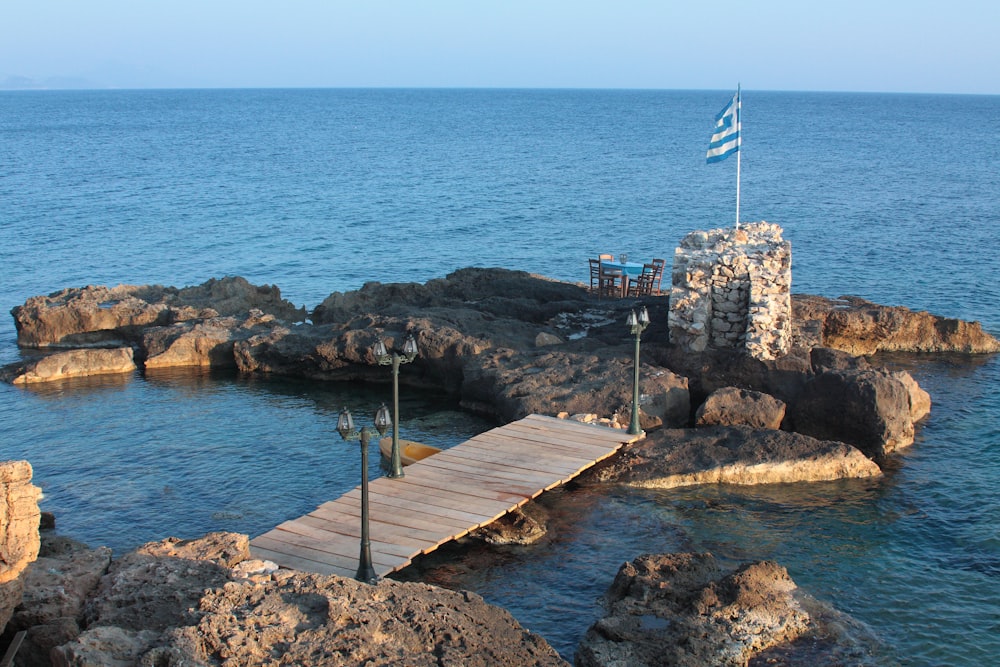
(345, 427)
(637, 324)
(395, 357)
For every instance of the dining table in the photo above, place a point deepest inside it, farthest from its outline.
(624, 269)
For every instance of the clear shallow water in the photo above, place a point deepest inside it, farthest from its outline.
(891, 197)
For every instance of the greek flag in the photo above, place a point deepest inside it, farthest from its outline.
(726, 137)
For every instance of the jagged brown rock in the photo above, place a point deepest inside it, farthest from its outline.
(19, 539)
(306, 619)
(175, 602)
(56, 588)
(861, 327)
(683, 610)
(103, 316)
(870, 409)
(733, 455)
(732, 406)
(73, 364)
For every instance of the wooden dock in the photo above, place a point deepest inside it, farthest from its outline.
(442, 497)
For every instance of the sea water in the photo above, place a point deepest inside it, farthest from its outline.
(890, 197)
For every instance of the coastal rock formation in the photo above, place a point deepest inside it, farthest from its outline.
(73, 363)
(522, 525)
(478, 333)
(56, 588)
(513, 385)
(861, 327)
(190, 602)
(97, 316)
(870, 409)
(733, 455)
(19, 541)
(206, 343)
(477, 330)
(732, 406)
(317, 620)
(683, 610)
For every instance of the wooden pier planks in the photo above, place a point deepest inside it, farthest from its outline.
(441, 498)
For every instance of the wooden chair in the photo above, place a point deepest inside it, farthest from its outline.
(658, 264)
(647, 283)
(603, 283)
(616, 277)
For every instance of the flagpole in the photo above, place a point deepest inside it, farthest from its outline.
(739, 144)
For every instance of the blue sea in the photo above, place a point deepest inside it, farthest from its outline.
(895, 198)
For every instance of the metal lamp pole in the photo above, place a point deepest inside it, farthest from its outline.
(384, 357)
(345, 426)
(637, 325)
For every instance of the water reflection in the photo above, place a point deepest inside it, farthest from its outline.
(87, 386)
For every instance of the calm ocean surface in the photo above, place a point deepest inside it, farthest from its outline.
(895, 198)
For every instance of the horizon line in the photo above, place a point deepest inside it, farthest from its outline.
(30, 88)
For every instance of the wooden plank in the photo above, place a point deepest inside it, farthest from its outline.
(442, 498)
(401, 515)
(539, 452)
(485, 489)
(439, 496)
(315, 527)
(517, 459)
(491, 454)
(470, 482)
(507, 444)
(496, 470)
(560, 437)
(580, 433)
(326, 551)
(300, 563)
(431, 510)
(585, 430)
(420, 537)
(562, 441)
(413, 496)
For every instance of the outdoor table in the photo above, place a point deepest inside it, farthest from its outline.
(626, 270)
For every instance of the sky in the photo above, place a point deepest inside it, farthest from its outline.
(917, 46)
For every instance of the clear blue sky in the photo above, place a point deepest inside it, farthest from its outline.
(939, 46)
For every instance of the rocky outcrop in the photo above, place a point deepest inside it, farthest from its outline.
(478, 333)
(56, 588)
(732, 406)
(19, 541)
(206, 343)
(733, 455)
(513, 385)
(522, 525)
(870, 409)
(102, 316)
(683, 610)
(72, 364)
(861, 327)
(193, 602)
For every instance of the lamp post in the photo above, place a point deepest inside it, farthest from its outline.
(396, 357)
(636, 325)
(345, 427)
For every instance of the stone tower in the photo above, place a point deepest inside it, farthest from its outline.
(732, 289)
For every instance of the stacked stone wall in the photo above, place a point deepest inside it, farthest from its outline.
(732, 289)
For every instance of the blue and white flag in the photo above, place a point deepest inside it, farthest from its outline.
(726, 137)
